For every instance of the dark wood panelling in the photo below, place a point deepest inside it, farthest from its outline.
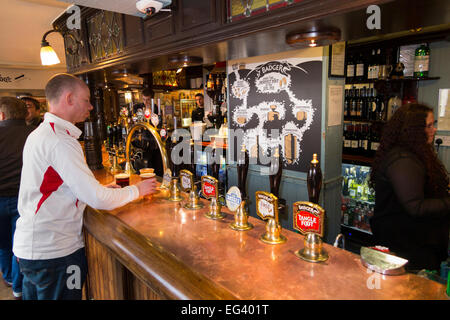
(105, 273)
(133, 30)
(159, 27)
(137, 290)
(196, 13)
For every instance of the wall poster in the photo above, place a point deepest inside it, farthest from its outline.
(278, 103)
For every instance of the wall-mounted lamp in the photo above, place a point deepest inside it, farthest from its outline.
(48, 55)
(322, 37)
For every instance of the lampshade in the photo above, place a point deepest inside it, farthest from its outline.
(48, 55)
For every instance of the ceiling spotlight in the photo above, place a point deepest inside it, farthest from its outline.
(323, 37)
(184, 60)
(48, 55)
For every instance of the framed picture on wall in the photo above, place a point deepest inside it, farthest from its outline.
(336, 66)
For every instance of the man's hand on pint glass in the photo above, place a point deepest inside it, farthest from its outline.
(147, 186)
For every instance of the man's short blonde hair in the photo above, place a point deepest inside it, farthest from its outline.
(13, 108)
(58, 83)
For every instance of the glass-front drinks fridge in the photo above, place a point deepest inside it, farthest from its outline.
(358, 202)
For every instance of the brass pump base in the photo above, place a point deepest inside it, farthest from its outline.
(193, 202)
(313, 250)
(241, 219)
(214, 212)
(174, 191)
(273, 233)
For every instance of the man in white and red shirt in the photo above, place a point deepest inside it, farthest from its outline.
(55, 187)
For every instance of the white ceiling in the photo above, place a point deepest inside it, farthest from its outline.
(22, 25)
(121, 6)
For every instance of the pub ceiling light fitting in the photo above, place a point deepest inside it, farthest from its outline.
(48, 55)
(303, 39)
(185, 61)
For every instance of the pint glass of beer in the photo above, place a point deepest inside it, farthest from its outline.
(147, 170)
(122, 179)
(144, 176)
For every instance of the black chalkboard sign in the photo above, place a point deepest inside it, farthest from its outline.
(276, 104)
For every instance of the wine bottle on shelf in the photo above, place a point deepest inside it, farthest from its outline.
(360, 68)
(359, 138)
(347, 141)
(358, 104)
(374, 141)
(353, 103)
(368, 152)
(350, 69)
(346, 103)
(372, 105)
(349, 103)
(364, 104)
(364, 139)
(422, 61)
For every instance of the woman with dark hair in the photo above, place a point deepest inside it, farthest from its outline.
(412, 207)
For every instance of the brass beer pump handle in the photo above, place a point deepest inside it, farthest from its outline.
(159, 142)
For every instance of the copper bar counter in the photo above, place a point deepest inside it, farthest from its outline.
(155, 249)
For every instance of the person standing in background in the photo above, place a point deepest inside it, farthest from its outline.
(412, 202)
(13, 134)
(33, 117)
(198, 114)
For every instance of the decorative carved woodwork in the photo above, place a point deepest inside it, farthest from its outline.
(105, 33)
(76, 50)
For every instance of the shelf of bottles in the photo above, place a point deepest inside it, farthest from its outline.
(364, 116)
(358, 198)
(377, 84)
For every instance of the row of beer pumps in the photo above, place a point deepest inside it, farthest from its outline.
(308, 215)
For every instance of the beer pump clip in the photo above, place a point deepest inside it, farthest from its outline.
(236, 204)
(187, 185)
(210, 190)
(267, 209)
(167, 177)
(309, 220)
